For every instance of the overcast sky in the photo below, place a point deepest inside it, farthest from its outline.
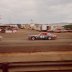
(39, 11)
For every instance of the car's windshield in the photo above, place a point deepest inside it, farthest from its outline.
(43, 33)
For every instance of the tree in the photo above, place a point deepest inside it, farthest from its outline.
(68, 27)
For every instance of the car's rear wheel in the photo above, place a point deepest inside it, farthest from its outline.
(33, 38)
(49, 38)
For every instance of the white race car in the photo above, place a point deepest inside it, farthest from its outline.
(42, 36)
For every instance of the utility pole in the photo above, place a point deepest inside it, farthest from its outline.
(0, 18)
(31, 21)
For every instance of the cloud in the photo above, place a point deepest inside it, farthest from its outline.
(56, 11)
(41, 11)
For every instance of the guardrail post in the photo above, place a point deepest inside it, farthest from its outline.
(5, 67)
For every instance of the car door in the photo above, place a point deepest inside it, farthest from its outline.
(43, 36)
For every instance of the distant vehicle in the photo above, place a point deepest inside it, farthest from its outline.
(43, 36)
(69, 30)
(58, 31)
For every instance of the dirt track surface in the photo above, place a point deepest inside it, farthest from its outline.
(17, 48)
(35, 46)
(18, 43)
(38, 56)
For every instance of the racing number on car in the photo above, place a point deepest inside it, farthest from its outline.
(41, 36)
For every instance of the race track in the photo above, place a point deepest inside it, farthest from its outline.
(35, 46)
(18, 42)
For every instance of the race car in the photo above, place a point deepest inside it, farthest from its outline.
(42, 36)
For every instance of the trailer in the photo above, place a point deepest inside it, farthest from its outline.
(43, 28)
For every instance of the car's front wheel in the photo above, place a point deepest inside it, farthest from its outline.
(33, 38)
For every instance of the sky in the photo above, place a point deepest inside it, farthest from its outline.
(35, 11)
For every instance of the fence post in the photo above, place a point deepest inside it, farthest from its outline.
(5, 67)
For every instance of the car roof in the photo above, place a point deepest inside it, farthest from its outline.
(45, 33)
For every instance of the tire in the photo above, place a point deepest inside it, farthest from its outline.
(33, 38)
(49, 38)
